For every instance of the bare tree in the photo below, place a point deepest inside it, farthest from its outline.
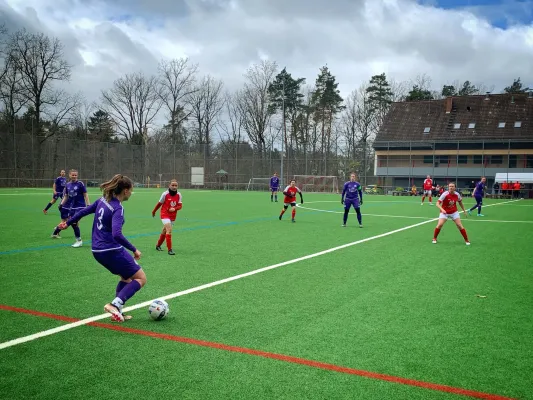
(81, 116)
(254, 102)
(133, 103)
(359, 124)
(231, 129)
(399, 89)
(206, 103)
(177, 78)
(40, 62)
(11, 91)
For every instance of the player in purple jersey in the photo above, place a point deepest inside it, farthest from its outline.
(58, 187)
(75, 198)
(352, 195)
(274, 187)
(478, 195)
(109, 244)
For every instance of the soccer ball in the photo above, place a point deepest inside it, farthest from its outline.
(158, 310)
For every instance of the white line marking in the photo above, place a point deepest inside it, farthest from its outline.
(366, 215)
(86, 321)
(497, 220)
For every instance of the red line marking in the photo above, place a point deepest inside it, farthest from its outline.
(274, 356)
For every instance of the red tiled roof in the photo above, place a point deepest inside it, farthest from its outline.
(406, 121)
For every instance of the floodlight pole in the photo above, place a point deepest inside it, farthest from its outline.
(283, 130)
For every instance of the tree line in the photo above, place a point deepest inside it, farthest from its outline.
(271, 105)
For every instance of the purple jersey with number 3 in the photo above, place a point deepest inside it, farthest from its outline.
(107, 226)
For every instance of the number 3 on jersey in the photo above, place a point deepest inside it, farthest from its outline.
(99, 225)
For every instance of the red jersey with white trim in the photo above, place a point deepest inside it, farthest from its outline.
(291, 190)
(449, 201)
(169, 201)
(428, 184)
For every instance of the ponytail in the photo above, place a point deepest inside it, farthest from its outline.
(115, 186)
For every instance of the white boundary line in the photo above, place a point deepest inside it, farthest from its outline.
(86, 321)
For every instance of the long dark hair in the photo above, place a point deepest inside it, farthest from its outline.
(115, 186)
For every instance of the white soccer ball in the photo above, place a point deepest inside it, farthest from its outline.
(158, 310)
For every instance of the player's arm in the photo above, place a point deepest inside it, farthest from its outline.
(343, 193)
(85, 195)
(462, 206)
(65, 197)
(439, 206)
(301, 196)
(157, 207)
(360, 191)
(116, 223)
(180, 204)
(54, 187)
(81, 214)
(285, 192)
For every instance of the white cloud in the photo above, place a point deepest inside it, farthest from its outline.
(356, 38)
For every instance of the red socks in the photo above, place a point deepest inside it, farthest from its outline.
(169, 241)
(463, 232)
(436, 233)
(430, 200)
(293, 213)
(161, 239)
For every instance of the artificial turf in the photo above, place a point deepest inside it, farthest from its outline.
(399, 305)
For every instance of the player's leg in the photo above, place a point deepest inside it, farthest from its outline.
(442, 220)
(479, 204)
(54, 198)
(132, 280)
(430, 194)
(359, 215)
(276, 195)
(64, 218)
(423, 197)
(162, 235)
(168, 238)
(271, 195)
(76, 229)
(347, 206)
(293, 205)
(285, 206)
(461, 228)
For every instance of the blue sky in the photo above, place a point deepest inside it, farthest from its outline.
(500, 13)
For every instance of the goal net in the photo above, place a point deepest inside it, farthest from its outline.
(315, 183)
(262, 184)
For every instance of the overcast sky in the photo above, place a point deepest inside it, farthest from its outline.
(487, 41)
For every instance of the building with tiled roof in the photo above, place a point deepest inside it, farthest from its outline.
(456, 138)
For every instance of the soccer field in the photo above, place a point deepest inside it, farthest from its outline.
(262, 308)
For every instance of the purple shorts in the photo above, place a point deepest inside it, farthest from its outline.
(58, 196)
(118, 262)
(348, 203)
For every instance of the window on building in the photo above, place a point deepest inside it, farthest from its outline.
(529, 161)
(501, 125)
(471, 125)
(428, 159)
(427, 129)
(456, 126)
(513, 160)
(518, 124)
(462, 159)
(478, 159)
(496, 159)
(443, 159)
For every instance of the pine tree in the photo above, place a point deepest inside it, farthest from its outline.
(419, 94)
(100, 126)
(448, 90)
(516, 87)
(379, 97)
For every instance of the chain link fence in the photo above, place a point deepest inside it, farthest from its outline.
(26, 162)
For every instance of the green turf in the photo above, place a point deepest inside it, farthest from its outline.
(396, 305)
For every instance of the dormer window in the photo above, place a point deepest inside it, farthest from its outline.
(471, 125)
(501, 125)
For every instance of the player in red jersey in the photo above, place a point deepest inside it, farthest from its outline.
(428, 190)
(170, 203)
(447, 205)
(290, 199)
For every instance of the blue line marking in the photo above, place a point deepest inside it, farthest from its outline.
(140, 235)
